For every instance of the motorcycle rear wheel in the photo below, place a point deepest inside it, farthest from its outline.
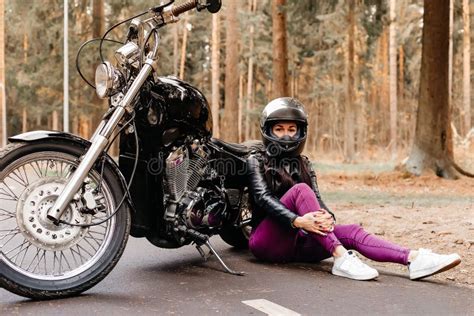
(238, 236)
(41, 260)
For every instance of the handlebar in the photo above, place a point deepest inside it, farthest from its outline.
(186, 6)
(161, 16)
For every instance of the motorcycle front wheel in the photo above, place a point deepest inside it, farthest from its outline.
(39, 259)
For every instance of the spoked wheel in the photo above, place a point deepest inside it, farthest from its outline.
(43, 260)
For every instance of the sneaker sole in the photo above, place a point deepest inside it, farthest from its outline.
(360, 278)
(429, 272)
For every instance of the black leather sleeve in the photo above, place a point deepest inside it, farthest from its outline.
(263, 196)
(314, 186)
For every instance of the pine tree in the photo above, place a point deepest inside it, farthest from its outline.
(280, 50)
(433, 144)
(215, 65)
(350, 109)
(466, 68)
(229, 121)
(3, 109)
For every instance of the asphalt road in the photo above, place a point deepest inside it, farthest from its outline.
(153, 281)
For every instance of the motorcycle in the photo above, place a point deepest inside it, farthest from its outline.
(67, 208)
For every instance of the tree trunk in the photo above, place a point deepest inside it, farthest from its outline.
(349, 121)
(98, 29)
(384, 105)
(466, 68)
(98, 18)
(280, 50)
(54, 118)
(25, 48)
(404, 124)
(229, 122)
(84, 126)
(183, 47)
(450, 52)
(38, 121)
(215, 67)
(376, 95)
(433, 144)
(24, 121)
(269, 89)
(176, 48)
(75, 125)
(3, 111)
(248, 103)
(241, 105)
(393, 80)
(401, 74)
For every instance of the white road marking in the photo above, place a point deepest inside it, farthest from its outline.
(270, 308)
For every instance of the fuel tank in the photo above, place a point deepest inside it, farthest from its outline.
(174, 104)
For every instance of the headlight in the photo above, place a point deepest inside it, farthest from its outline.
(108, 80)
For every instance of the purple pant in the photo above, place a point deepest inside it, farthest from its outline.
(273, 242)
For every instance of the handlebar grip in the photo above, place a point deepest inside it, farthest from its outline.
(191, 4)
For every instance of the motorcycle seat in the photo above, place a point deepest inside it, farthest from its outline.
(237, 149)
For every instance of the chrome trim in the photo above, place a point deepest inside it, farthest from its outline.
(75, 182)
(128, 54)
(136, 85)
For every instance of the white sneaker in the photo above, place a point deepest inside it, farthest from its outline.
(350, 266)
(428, 263)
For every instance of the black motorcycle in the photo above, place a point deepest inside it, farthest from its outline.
(67, 208)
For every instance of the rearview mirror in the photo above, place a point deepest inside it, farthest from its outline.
(214, 6)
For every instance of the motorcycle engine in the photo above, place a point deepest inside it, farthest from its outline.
(185, 167)
(202, 208)
(197, 206)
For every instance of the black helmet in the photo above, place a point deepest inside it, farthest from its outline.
(283, 109)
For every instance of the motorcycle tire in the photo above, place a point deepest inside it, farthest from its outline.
(238, 236)
(40, 260)
(235, 237)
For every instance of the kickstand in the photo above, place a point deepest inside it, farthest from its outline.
(213, 252)
(203, 254)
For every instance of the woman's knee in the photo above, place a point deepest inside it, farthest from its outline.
(303, 187)
(297, 190)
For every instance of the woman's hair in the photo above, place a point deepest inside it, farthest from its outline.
(278, 178)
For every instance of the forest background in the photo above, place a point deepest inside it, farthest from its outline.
(353, 60)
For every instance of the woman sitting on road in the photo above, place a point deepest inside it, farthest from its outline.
(292, 223)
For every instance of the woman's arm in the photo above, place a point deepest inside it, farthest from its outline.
(314, 185)
(263, 196)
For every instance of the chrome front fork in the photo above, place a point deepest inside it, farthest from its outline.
(99, 142)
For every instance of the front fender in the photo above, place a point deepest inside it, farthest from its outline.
(34, 136)
(42, 135)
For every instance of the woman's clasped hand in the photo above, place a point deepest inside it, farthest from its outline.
(319, 222)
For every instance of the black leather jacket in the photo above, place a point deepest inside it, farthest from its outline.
(265, 202)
